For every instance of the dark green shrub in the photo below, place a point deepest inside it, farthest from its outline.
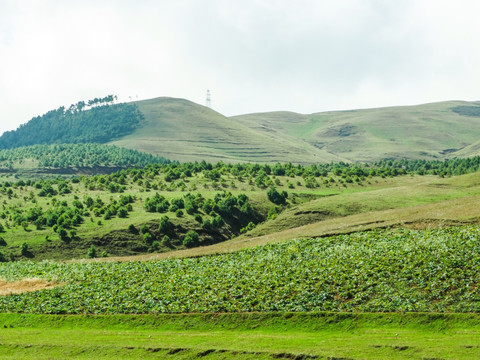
(249, 227)
(63, 233)
(173, 208)
(191, 239)
(276, 197)
(178, 202)
(92, 252)
(217, 221)
(122, 212)
(148, 238)
(165, 225)
(155, 245)
(24, 249)
(166, 241)
(190, 207)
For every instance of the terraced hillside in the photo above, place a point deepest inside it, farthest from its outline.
(181, 130)
(430, 131)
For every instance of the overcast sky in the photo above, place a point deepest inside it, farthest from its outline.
(254, 55)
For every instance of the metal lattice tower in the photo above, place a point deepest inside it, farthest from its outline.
(208, 100)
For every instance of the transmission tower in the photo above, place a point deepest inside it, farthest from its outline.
(208, 100)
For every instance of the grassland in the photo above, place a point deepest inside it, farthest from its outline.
(242, 336)
(384, 249)
(184, 131)
(181, 130)
(424, 131)
(328, 207)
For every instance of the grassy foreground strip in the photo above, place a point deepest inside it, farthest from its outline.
(317, 335)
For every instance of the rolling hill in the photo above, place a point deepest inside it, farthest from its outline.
(181, 130)
(430, 131)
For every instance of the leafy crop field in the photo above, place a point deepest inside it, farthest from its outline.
(376, 271)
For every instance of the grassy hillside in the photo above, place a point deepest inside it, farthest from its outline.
(124, 213)
(181, 130)
(438, 130)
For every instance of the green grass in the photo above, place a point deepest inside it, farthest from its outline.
(399, 193)
(307, 207)
(181, 130)
(422, 131)
(243, 336)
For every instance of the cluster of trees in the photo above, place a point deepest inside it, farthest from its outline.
(99, 121)
(467, 110)
(223, 207)
(62, 217)
(171, 176)
(260, 172)
(78, 156)
(431, 167)
(223, 213)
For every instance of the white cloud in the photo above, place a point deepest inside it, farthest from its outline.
(254, 55)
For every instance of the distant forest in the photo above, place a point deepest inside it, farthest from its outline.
(97, 121)
(77, 156)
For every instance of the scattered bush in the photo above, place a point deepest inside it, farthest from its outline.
(165, 225)
(166, 241)
(191, 239)
(132, 229)
(148, 238)
(276, 197)
(92, 252)
(155, 245)
(24, 249)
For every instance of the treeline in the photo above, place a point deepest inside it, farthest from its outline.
(261, 173)
(467, 110)
(78, 156)
(98, 121)
(157, 173)
(433, 167)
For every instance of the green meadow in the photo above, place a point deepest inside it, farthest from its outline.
(231, 249)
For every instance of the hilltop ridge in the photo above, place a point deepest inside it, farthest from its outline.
(182, 130)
